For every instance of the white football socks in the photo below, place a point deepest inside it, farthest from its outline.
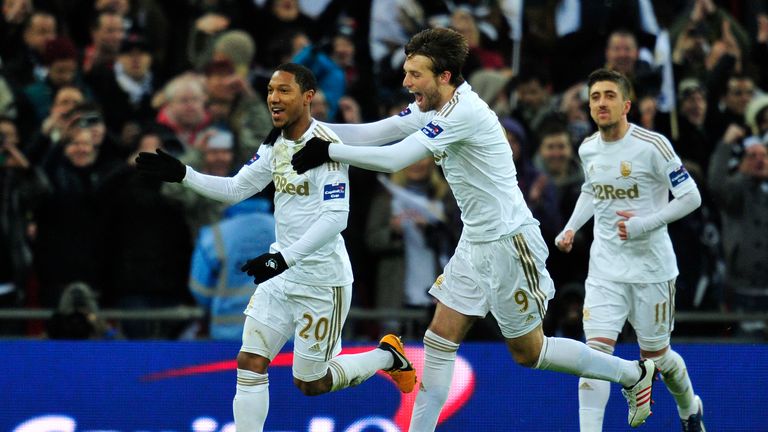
(576, 358)
(351, 369)
(593, 396)
(675, 377)
(251, 403)
(439, 358)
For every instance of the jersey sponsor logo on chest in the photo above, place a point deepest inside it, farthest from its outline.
(283, 186)
(610, 192)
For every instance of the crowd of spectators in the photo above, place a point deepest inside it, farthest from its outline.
(87, 84)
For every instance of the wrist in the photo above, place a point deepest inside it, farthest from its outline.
(288, 257)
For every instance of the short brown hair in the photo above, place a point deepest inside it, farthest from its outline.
(613, 76)
(447, 49)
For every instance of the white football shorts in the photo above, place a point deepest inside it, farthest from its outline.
(649, 307)
(506, 277)
(313, 316)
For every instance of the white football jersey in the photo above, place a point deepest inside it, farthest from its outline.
(468, 141)
(299, 201)
(636, 174)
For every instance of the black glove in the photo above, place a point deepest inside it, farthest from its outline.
(272, 136)
(161, 166)
(265, 267)
(314, 153)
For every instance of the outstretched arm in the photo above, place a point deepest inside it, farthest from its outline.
(224, 189)
(386, 159)
(368, 134)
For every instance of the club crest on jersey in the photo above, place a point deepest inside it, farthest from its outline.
(678, 176)
(253, 159)
(625, 169)
(405, 112)
(334, 191)
(432, 130)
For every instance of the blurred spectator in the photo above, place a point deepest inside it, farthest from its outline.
(760, 50)
(493, 87)
(149, 247)
(238, 47)
(330, 76)
(533, 100)
(693, 144)
(183, 110)
(319, 107)
(215, 157)
(77, 316)
(279, 20)
(60, 57)
(480, 56)
(27, 66)
(583, 27)
(71, 238)
(703, 18)
(406, 232)
(220, 250)
(107, 33)
(349, 110)
(17, 181)
(557, 159)
(55, 125)
(234, 105)
(127, 88)
(15, 14)
(728, 103)
(738, 180)
(538, 190)
(622, 54)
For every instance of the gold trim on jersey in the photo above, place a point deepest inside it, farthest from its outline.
(529, 269)
(590, 138)
(333, 166)
(336, 322)
(448, 108)
(322, 133)
(656, 140)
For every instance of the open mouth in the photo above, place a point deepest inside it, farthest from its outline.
(277, 112)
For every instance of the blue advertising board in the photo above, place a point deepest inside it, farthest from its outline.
(51, 386)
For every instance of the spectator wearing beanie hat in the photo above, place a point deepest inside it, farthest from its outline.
(235, 105)
(60, 58)
(126, 88)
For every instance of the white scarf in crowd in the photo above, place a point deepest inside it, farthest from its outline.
(135, 89)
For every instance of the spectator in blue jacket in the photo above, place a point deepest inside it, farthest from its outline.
(222, 248)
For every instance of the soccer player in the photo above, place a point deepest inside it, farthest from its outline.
(498, 265)
(629, 172)
(305, 280)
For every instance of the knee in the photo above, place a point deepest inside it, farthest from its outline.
(252, 362)
(311, 388)
(525, 355)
